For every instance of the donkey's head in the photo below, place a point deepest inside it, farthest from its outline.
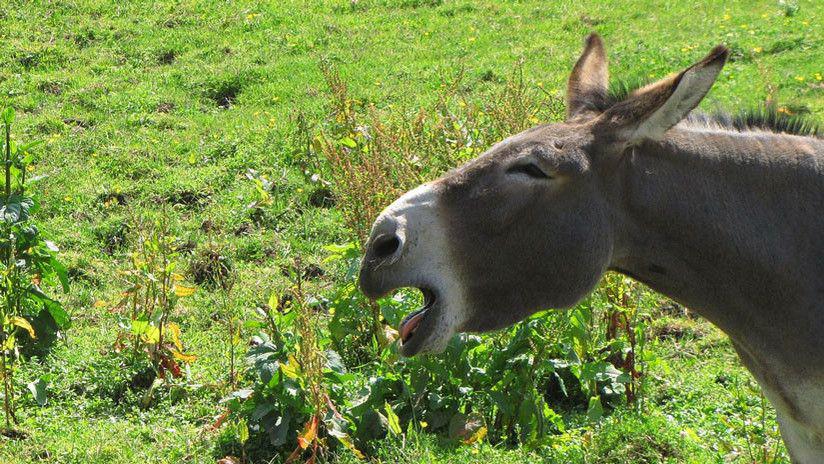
(527, 225)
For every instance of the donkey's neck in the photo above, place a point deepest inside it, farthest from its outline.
(731, 224)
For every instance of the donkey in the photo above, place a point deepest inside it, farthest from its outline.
(727, 220)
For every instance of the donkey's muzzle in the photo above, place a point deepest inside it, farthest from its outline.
(382, 250)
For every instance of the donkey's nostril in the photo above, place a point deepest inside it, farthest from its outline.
(385, 246)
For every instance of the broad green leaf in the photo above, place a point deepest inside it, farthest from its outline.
(9, 344)
(274, 301)
(394, 422)
(243, 431)
(8, 115)
(291, 369)
(62, 273)
(61, 317)
(348, 142)
(38, 391)
(595, 410)
(15, 209)
(278, 430)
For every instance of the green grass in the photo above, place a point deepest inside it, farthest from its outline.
(143, 103)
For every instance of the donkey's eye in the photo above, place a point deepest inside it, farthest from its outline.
(530, 169)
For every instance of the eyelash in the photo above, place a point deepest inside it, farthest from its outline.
(530, 170)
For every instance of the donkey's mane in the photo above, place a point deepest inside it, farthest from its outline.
(766, 118)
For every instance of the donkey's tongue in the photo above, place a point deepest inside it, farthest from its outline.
(409, 325)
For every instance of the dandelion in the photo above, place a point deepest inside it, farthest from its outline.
(818, 76)
(727, 17)
(799, 78)
(757, 49)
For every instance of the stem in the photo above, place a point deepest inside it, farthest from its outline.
(7, 164)
(230, 323)
(6, 397)
(164, 292)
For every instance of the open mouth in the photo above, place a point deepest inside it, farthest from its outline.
(412, 322)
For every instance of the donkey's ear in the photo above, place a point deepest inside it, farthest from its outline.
(587, 86)
(652, 110)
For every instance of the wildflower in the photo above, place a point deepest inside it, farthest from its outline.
(757, 50)
(727, 17)
(799, 78)
(818, 76)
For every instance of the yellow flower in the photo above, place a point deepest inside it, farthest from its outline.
(472, 39)
(799, 78)
(818, 76)
(757, 49)
(727, 17)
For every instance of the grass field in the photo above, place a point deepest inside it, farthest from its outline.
(144, 103)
